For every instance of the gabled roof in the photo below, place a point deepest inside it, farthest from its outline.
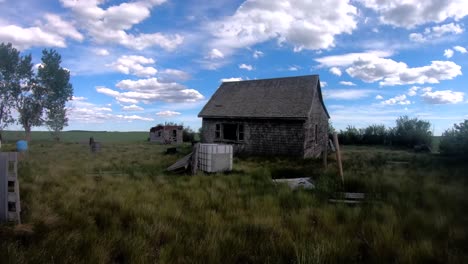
(287, 98)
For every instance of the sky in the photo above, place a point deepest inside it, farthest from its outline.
(138, 63)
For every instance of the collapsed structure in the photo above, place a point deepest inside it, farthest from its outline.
(166, 134)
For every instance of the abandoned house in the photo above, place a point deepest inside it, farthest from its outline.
(166, 134)
(281, 116)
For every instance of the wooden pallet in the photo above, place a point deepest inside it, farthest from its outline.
(10, 206)
(348, 198)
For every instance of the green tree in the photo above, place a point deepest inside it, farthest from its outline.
(188, 135)
(56, 82)
(454, 141)
(11, 79)
(28, 97)
(374, 134)
(411, 131)
(19, 89)
(33, 96)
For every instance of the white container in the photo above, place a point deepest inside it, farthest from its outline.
(215, 157)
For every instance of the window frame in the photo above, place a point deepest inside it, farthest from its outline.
(240, 132)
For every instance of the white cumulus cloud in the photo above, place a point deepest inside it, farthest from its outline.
(257, 54)
(151, 90)
(301, 23)
(347, 94)
(336, 71)
(112, 25)
(448, 53)
(349, 58)
(410, 13)
(442, 97)
(167, 113)
(132, 107)
(436, 32)
(232, 79)
(390, 72)
(246, 67)
(460, 49)
(216, 54)
(132, 64)
(347, 83)
(101, 52)
(399, 99)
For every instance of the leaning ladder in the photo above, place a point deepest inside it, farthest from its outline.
(10, 207)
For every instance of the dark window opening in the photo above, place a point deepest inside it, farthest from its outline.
(174, 133)
(159, 133)
(241, 132)
(218, 131)
(230, 131)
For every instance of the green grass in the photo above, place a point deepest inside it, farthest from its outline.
(78, 136)
(120, 206)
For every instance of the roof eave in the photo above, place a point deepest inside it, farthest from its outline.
(254, 117)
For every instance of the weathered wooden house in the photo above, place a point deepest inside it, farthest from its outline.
(281, 116)
(166, 134)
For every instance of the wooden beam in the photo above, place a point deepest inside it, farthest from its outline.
(338, 156)
(194, 163)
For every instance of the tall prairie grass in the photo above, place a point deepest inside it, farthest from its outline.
(120, 206)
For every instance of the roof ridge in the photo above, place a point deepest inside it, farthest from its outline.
(274, 78)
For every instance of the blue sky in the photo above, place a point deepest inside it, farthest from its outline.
(138, 63)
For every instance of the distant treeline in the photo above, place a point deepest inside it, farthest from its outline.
(408, 132)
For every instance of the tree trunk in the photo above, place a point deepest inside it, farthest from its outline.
(27, 130)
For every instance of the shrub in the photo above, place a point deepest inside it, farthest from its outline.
(188, 135)
(410, 132)
(351, 135)
(374, 135)
(454, 141)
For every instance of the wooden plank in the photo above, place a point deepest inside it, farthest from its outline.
(344, 201)
(3, 187)
(354, 195)
(338, 156)
(330, 143)
(181, 163)
(324, 158)
(194, 163)
(11, 197)
(13, 216)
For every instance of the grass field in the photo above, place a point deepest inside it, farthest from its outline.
(120, 206)
(79, 136)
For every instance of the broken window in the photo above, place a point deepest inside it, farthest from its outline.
(241, 131)
(230, 131)
(218, 131)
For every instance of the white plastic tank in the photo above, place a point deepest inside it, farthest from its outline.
(215, 157)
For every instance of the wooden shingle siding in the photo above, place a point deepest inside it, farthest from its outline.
(317, 116)
(280, 116)
(261, 137)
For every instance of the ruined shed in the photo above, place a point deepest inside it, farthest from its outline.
(166, 134)
(280, 116)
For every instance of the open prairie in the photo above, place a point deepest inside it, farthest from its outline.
(120, 206)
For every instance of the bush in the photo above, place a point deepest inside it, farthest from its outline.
(454, 141)
(410, 132)
(188, 135)
(350, 136)
(374, 135)
(407, 132)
